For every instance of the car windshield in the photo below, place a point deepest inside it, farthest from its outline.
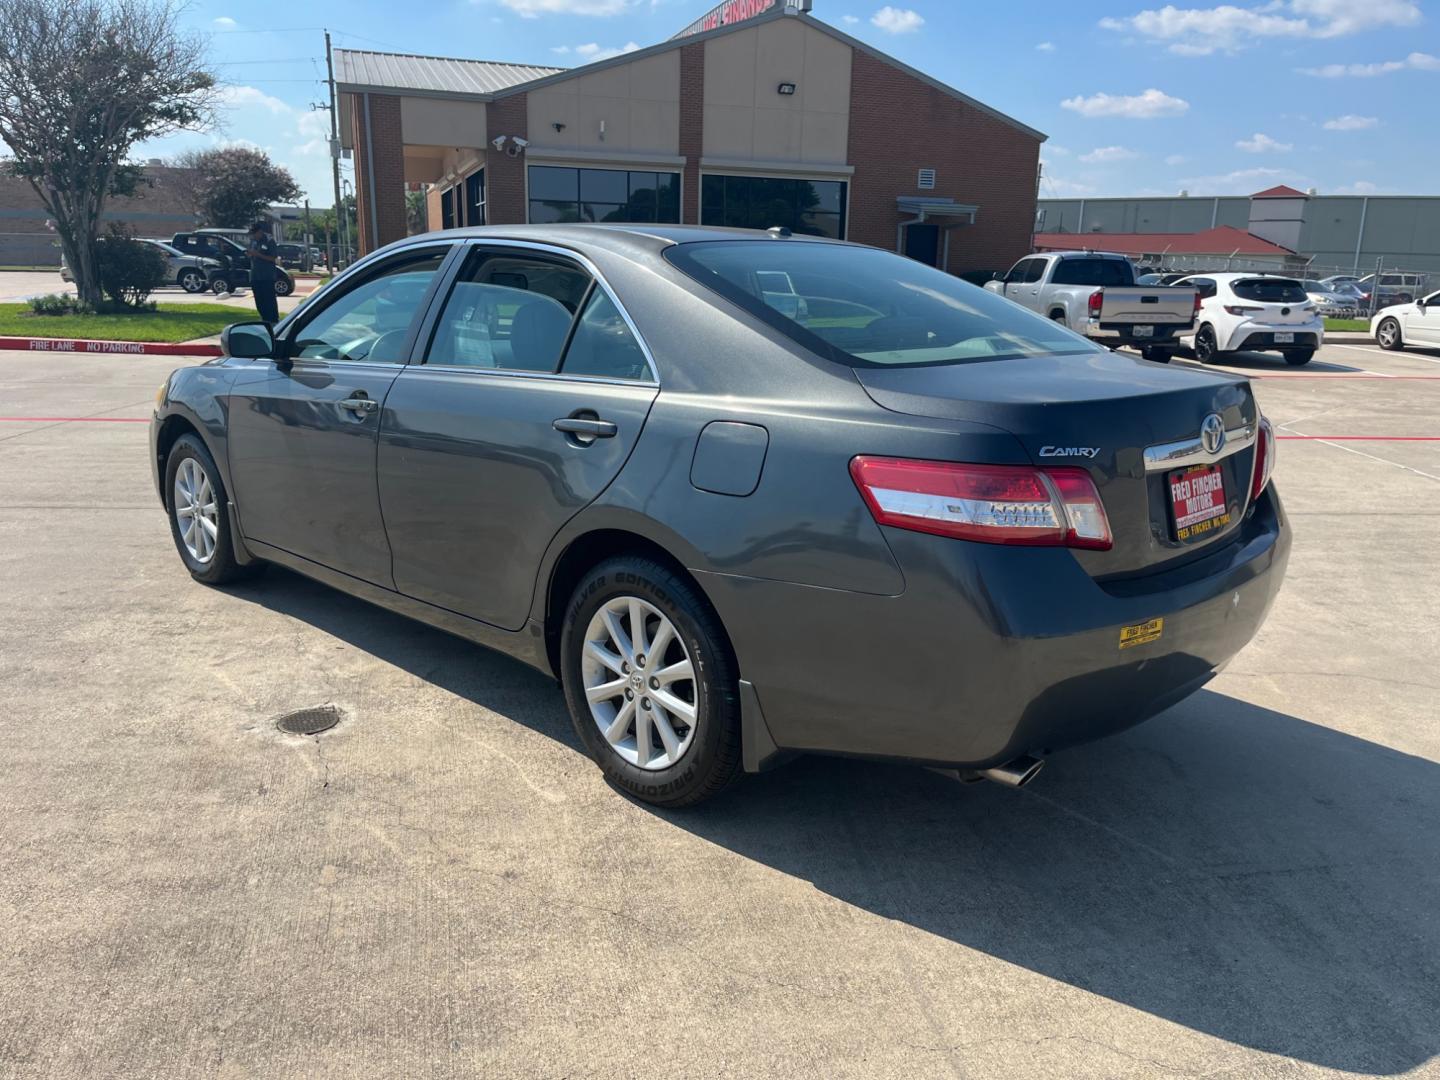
(1270, 290)
(1093, 272)
(865, 307)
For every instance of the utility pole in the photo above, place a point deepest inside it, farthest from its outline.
(305, 256)
(341, 225)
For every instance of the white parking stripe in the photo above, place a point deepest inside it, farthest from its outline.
(1382, 352)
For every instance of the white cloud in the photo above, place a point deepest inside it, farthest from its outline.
(1104, 154)
(1045, 46)
(849, 20)
(1359, 187)
(593, 51)
(1260, 143)
(897, 20)
(245, 97)
(1145, 106)
(1176, 159)
(1349, 122)
(533, 9)
(1416, 61)
(224, 22)
(1229, 28)
(1244, 181)
(1058, 187)
(561, 49)
(1056, 151)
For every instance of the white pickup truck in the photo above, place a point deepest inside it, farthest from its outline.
(1094, 293)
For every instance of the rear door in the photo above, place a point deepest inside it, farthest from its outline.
(532, 395)
(303, 427)
(1022, 284)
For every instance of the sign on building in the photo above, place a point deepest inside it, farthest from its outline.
(733, 11)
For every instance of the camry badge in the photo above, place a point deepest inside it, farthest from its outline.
(1212, 433)
(1069, 451)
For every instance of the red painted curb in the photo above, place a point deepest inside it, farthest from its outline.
(128, 348)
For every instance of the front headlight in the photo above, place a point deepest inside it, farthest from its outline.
(162, 392)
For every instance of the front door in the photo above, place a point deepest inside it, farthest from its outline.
(1423, 327)
(303, 427)
(532, 395)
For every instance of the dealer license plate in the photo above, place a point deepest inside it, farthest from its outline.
(1284, 339)
(1197, 503)
(1143, 331)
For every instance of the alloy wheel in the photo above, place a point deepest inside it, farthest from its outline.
(197, 512)
(1388, 333)
(639, 683)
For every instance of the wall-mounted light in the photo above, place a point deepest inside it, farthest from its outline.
(785, 89)
(558, 126)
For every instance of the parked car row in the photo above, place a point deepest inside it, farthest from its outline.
(204, 259)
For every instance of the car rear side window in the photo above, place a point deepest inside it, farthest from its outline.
(508, 311)
(1093, 272)
(1270, 290)
(602, 345)
(869, 308)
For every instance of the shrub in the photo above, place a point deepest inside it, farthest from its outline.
(56, 304)
(128, 270)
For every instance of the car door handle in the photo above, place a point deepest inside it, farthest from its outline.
(586, 429)
(360, 405)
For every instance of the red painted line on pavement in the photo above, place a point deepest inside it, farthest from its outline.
(126, 348)
(1365, 438)
(74, 419)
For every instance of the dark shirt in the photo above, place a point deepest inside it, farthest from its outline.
(263, 269)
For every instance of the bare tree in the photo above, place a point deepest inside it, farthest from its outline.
(81, 82)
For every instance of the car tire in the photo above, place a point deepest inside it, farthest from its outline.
(1156, 353)
(192, 280)
(284, 286)
(219, 284)
(1299, 357)
(673, 719)
(1388, 335)
(1206, 350)
(195, 493)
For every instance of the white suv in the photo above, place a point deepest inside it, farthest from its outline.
(1254, 313)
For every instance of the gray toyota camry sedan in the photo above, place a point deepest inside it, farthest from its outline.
(744, 494)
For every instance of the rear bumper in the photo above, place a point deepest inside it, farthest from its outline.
(1260, 337)
(1105, 333)
(992, 652)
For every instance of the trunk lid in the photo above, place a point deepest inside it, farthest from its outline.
(1274, 301)
(1157, 305)
(1100, 412)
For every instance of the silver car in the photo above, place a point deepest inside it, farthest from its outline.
(188, 272)
(1331, 303)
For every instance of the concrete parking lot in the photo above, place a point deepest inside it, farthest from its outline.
(443, 886)
(17, 286)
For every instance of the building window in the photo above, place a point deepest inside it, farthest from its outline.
(810, 207)
(561, 194)
(447, 208)
(475, 198)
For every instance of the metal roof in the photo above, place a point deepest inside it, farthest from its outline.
(362, 69)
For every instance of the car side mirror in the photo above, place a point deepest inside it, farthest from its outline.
(248, 341)
(998, 275)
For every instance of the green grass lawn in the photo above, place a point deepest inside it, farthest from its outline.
(1360, 325)
(172, 322)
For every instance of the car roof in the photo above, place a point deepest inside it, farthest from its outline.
(616, 235)
(1235, 275)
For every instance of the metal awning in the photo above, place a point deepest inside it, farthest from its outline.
(946, 214)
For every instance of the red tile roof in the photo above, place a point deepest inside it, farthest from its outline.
(1224, 240)
(1281, 192)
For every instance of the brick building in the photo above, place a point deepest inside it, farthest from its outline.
(159, 208)
(755, 116)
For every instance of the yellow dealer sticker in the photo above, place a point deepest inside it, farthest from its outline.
(1141, 633)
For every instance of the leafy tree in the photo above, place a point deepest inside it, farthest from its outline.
(231, 185)
(129, 271)
(81, 82)
(416, 212)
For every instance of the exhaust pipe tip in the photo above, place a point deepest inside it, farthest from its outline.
(1015, 773)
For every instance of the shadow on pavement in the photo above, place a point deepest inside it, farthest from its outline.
(1232, 869)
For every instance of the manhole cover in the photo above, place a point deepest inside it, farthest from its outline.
(309, 721)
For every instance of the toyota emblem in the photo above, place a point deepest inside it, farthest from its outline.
(1212, 433)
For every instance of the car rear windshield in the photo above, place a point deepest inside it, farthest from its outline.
(1094, 272)
(869, 308)
(1270, 290)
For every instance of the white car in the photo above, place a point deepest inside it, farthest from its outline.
(1415, 323)
(1254, 313)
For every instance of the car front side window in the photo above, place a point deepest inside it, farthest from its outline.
(371, 321)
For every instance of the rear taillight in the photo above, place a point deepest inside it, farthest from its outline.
(992, 504)
(1264, 460)
(1097, 299)
(1242, 309)
(1199, 300)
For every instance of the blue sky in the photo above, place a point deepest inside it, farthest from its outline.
(1137, 98)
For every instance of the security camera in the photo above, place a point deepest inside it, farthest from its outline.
(518, 141)
(498, 142)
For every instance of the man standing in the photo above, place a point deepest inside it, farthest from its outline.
(264, 258)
